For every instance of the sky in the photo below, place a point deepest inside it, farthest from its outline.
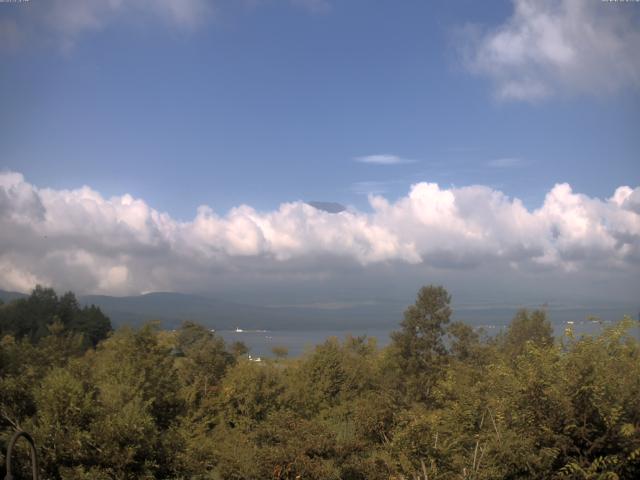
(154, 145)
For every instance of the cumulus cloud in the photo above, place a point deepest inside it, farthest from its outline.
(80, 240)
(383, 159)
(558, 46)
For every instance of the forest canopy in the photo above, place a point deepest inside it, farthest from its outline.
(34, 317)
(441, 401)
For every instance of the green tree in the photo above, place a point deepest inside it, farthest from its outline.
(526, 327)
(464, 341)
(31, 317)
(204, 361)
(280, 351)
(418, 348)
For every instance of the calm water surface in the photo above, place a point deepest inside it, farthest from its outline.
(260, 342)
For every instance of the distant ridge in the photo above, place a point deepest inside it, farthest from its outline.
(171, 309)
(7, 296)
(329, 207)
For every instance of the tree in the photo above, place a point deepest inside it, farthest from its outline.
(91, 322)
(418, 347)
(528, 327)
(151, 404)
(205, 360)
(67, 308)
(464, 340)
(280, 351)
(31, 317)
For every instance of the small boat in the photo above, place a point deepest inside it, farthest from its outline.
(239, 330)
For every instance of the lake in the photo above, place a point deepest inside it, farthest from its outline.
(260, 342)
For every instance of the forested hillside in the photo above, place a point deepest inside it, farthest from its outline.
(43, 312)
(442, 401)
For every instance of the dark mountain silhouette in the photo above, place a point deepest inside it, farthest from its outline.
(330, 207)
(171, 309)
(6, 296)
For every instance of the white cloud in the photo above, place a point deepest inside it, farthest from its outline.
(559, 46)
(80, 240)
(629, 199)
(383, 159)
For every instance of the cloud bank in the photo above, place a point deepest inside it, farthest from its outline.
(559, 46)
(79, 239)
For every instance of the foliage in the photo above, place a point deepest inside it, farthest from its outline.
(31, 317)
(440, 402)
(418, 348)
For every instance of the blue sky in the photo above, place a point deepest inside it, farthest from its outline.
(271, 103)
(258, 103)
